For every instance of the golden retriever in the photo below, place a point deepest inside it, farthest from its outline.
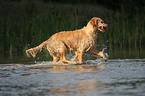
(78, 41)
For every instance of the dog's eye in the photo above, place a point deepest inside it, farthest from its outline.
(102, 22)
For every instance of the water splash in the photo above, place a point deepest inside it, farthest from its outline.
(97, 61)
(70, 57)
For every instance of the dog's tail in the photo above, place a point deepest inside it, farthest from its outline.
(34, 51)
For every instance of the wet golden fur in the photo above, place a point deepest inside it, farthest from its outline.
(78, 41)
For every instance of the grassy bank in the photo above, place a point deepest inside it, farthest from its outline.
(26, 24)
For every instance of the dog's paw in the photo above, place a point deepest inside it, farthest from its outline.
(73, 62)
(105, 57)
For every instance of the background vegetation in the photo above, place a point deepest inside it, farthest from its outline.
(27, 23)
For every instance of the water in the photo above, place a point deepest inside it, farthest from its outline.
(118, 77)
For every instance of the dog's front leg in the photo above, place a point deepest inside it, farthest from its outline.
(79, 57)
(96, 52)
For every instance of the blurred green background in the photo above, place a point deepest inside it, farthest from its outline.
(27, 23)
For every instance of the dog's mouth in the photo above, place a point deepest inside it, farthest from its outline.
(103, 29)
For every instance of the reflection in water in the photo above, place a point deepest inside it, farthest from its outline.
(84, 68)
(81, 83)
(81, 87)
(76, 82)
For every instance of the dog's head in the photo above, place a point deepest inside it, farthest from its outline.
(99, 24)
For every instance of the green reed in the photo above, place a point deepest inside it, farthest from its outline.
(27, 24)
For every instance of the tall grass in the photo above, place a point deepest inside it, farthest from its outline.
(27, 24)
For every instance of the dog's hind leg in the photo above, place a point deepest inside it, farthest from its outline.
(55, 58)
(58, 51)
(63, 56)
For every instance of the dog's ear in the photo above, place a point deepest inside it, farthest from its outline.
(94, 22)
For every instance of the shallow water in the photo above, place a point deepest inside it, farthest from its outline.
(118, 77)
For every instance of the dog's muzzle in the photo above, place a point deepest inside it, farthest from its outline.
(103, 28)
